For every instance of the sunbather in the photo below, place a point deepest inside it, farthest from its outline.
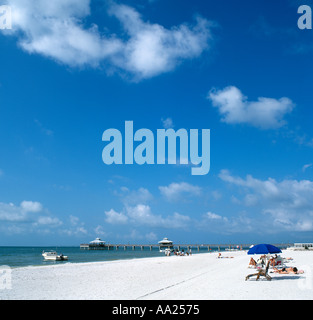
(272, 261)
(252, 263)
(261, 260)
(220, 256)
(292, 270)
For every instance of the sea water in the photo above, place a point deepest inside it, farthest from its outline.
(32, 256)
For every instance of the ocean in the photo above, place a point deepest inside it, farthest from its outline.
(31, 256)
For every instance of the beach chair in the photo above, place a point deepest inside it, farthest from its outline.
(261, 273)
(280, 262)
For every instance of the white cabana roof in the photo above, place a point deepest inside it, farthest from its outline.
(165, 241)
(97, 241)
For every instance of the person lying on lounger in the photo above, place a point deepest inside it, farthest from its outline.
(220, 256)
(292, 270)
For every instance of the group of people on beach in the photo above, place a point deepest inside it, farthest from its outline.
(275, 261)
(271, 262)
(181, 253)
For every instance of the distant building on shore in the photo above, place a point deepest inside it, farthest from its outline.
(94, 244)
(165, 244)
(97, 243)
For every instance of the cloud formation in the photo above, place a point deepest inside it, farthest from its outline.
(114, 217)
(31, 206)
(175, 191)
(287, 204)
(57, 30)
(26, 217)
(30, 217)
(153, 49)
(265, 113)
(142, 215)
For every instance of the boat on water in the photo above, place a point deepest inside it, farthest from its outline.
(52, 255)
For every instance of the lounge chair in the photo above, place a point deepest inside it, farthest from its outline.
(261, 273)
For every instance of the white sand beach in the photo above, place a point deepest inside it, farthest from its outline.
(196, 277)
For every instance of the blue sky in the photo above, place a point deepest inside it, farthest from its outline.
(72, 69)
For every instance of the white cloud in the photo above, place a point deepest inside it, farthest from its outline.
(50, 221)
(167, 123)
(151, 236)
(306, 166)
(288, 203)
(153, 49)
(265, 113)
(25, 212)
(174, 191)
(31, 206)
(74, 228)
(31, 217)
(293, 193)
(239, 223)
(216, 195)
(28, 217)
(12, 213)
(73, 220)
(56, 30)
(214, 216)
(141, 195)
(99, 231)
(142, 215)
(114, 217)
(44, 130)
(77, 231)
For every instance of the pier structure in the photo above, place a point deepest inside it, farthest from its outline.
(87, 246)
(179, 247)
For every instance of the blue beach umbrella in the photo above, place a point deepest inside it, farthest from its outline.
(264, 249)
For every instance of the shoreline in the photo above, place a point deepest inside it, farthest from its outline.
(65, 263)
(32, 256)
(196, 277)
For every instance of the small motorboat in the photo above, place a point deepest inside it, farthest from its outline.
(52, 255)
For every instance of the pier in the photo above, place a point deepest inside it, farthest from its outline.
(196, 247)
